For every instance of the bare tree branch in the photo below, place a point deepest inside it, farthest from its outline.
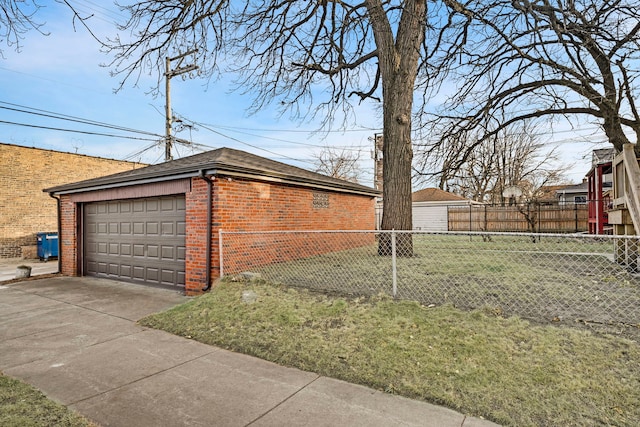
(16, 19)
(515, 60)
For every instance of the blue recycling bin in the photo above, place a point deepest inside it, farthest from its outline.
(47, 245)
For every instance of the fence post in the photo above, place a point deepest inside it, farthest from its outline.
(470, 223)
(394, 267)
(486, 225)
(575, 214)
(220, 251)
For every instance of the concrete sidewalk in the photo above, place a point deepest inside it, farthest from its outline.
(8, 267)
(76, 340)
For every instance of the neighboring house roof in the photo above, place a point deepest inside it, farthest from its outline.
(602, 156)
(223, 161)
(583, 187)
(436, 195)
(549, 192)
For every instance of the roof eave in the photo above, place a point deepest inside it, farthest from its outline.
(211, 169)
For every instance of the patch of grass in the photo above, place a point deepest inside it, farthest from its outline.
(504, 369)
(572, 280)
(23, 406)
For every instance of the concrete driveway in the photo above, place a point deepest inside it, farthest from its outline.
(76, 339)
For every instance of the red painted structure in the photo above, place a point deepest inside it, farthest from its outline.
(597, 200)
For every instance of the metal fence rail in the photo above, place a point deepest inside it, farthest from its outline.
(546, 277)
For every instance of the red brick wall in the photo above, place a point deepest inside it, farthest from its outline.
(244, 205)
(196, 239)
(68, 239)
(249, 206)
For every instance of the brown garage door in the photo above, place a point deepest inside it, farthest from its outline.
(140, 240)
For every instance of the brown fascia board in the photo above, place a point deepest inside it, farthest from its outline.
(214, 169)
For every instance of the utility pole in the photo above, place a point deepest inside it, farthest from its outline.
(378, 142)
(169, 117)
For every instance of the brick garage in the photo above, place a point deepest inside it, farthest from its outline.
(151, 225)
(24, 209)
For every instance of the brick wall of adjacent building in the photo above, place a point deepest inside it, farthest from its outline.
(24, 209)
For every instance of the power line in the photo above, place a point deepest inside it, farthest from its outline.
(58, 116)
(29, 125)
(245, 143)
(295, 130)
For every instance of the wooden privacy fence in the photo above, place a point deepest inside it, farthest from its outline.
(521, 218)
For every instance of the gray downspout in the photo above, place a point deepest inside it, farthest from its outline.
(59, 233)
(209, 212)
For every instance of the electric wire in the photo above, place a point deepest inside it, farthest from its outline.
(59, 116)
(29, 125)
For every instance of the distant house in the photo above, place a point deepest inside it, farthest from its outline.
(573, 194)
(431, 206)
(547, 194)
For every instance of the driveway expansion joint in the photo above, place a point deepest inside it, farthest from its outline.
(283, 401)
(213, 350)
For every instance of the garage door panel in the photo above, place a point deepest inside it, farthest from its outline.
(167, 228)
(153, 251)
(168, 253)
(181, 204)
(153, 228)
(152, 205)
(138, 273)
(152, 274)
(138, 206)
(181, 228)
(125, 207)
(138, 250)
(101, 228)
(142, 240)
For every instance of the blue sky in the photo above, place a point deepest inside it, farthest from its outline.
(61, 74)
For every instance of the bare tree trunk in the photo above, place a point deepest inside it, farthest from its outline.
(397, 159)
(398, 62)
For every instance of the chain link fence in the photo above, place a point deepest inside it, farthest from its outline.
(573, 279)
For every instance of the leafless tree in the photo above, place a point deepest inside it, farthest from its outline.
(513, 157)
(523, 60)
(16, 19)
(338, 163)
(311, 58)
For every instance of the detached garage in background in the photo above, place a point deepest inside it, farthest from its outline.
(158, 225)
(431, 206)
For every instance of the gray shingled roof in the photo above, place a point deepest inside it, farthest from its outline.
(223, 161)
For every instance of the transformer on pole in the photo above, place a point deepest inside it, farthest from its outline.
(169, 73)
